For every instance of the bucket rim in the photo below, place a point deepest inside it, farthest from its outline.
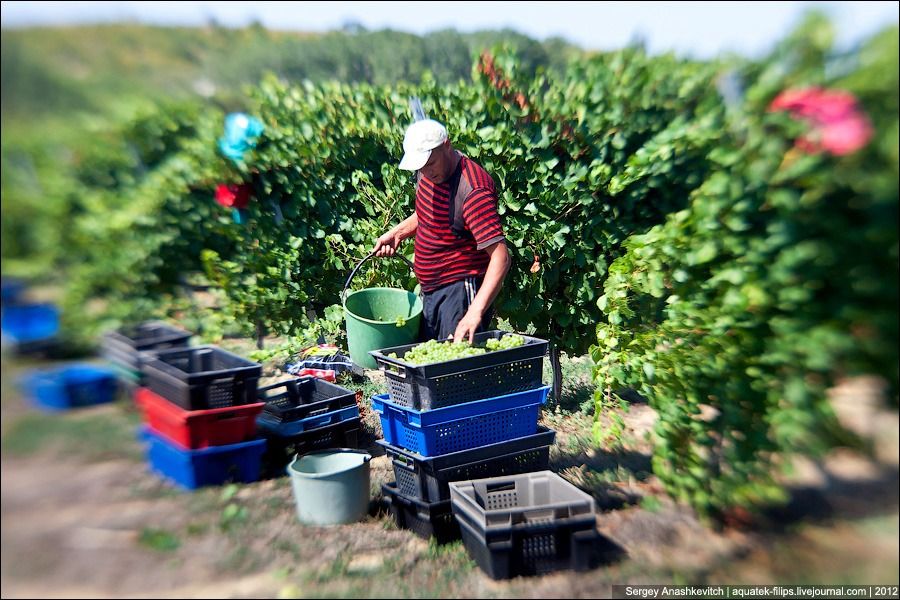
(370, 289)
(367, 457)
(373, 321)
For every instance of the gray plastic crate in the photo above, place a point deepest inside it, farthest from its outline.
(527, 498)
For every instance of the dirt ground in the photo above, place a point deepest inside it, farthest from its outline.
(83, 517)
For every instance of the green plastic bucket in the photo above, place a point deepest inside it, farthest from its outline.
(331, 486)
(379, 318)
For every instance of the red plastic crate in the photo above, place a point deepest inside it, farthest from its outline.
(193, 429)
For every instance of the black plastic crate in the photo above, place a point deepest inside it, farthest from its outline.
(466, 386)
(436, 385)
(126, 344)
(119, 357)
(532, 549)
(425, 519)
(49, 347)
(202, 377)
(304, 397)
(427, 478)
(281, 450)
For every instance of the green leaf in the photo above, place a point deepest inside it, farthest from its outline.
(705, 253)
(228, 492)
(231, 511)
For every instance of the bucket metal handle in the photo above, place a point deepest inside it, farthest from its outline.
(360, 263)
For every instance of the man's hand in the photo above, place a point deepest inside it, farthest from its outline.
(468, 325)
(387, 244)
(496, 271)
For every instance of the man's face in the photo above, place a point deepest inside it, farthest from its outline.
(438, 167)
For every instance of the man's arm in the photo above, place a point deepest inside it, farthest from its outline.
(387, 244)
(493, 280)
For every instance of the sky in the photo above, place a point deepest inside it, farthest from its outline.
(699, 29)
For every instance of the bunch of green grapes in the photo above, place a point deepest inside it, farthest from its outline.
(434, 351)
(504, 343)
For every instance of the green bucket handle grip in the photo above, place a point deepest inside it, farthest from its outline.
(360, 263)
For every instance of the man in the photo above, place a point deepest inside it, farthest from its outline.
(460, 262)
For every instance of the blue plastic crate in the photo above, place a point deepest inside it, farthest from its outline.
(71, 386)
(29, 322)
(214, 465)
(308, 424)
(463, 426)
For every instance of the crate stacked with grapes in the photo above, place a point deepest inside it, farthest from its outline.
(457, 412)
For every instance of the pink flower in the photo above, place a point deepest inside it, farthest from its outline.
(233, 195)
(847, 136)
(837, 125)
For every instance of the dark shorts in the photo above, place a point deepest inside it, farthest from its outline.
(446, 306)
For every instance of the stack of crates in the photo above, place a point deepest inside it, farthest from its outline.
(123, 348)
(302, 415)
(462, 419)
(527, 524)
(200, 409)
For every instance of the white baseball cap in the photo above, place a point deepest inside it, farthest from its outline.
(421, 138)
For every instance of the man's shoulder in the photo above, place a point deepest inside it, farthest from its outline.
(476, 175)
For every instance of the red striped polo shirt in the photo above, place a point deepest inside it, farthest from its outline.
(440, 257)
